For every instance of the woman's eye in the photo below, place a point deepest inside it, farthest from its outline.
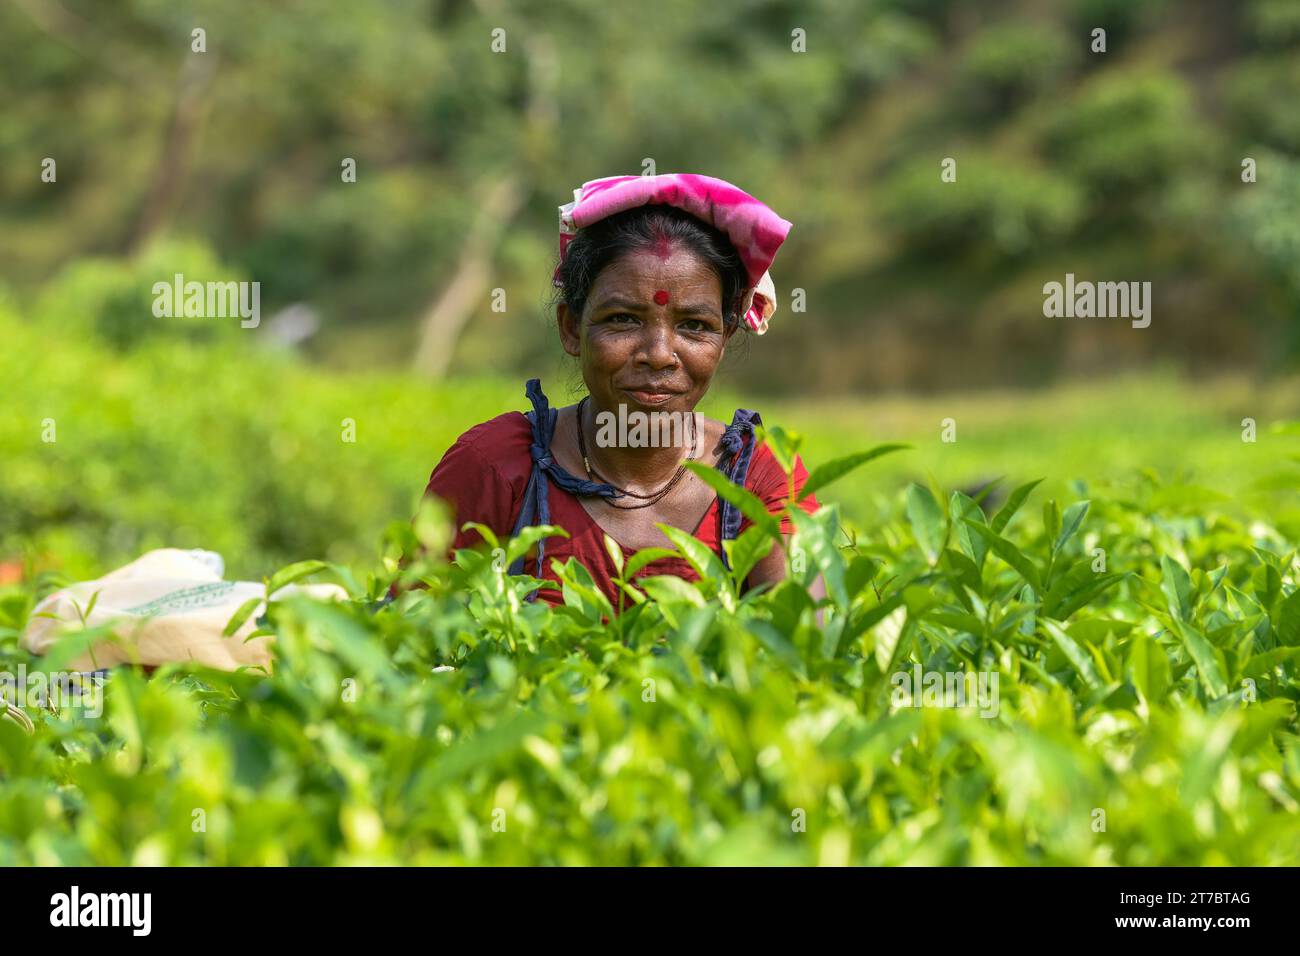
(621, 317)
(698, 325)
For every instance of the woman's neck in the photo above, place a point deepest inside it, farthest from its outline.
(638, 451)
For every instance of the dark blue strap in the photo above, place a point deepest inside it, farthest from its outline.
(536, 508)
(740, 452)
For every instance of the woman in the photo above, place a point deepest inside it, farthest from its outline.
(657, 274)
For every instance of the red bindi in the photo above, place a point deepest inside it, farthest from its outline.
(661, 297)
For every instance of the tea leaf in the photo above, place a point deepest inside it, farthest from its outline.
(823, 475)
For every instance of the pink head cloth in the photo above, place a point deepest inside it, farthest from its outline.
(754, 229)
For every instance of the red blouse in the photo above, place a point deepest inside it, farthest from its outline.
(483, 476)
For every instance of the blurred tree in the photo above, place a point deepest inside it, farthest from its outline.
(1008, 63)
(835, 114)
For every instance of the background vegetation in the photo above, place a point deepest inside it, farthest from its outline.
(1123, 165)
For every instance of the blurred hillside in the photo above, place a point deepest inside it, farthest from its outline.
(1124, 166)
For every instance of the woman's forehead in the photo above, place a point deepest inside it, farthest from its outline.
(646, 269)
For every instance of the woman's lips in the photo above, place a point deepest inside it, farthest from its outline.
(651, 398)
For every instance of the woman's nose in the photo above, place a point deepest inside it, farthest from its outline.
(657, 348)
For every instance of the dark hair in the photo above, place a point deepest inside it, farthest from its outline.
(596, 246)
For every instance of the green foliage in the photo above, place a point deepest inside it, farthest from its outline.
(709, 726)
(1262, 93)
(1267, 218)
(1121, 19)
(997, 203)
(1127, 155)
(1008, 62)
(113, 299)
(202, 440)
(1276, 22)
(1127, 131)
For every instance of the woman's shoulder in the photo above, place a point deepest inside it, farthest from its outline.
(503, 442)
(508, 429)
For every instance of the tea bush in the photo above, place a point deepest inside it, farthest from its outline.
(1144, 710)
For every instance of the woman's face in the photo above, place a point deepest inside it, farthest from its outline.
(652, 355)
